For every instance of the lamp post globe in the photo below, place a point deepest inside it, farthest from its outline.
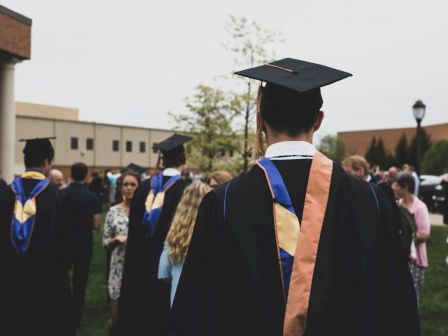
(418, 110)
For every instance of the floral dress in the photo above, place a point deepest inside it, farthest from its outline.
(116, 225)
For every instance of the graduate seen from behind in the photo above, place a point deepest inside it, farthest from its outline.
(178, 239)
(80, 210)
(31, 282)
(295, 246)
(144, 299)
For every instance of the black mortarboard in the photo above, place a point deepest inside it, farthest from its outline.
(173, 145)
(292, 88)
(295, 74)
(135, 167)
(38, 146)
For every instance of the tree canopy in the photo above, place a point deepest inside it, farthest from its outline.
(435, 160)
(333, 147)
(209, 120)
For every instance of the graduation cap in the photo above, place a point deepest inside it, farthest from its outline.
(294, 74)
(37, 150)
(292, 88)
(135, 167)
(173, 145)
(38, 146)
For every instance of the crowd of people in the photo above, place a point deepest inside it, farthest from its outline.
(67, 218)
(403, 187)
(296, 245)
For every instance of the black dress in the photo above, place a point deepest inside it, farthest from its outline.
(231, 282)
(144, 300)
(31, 287)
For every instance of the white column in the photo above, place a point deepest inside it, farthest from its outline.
(7, 121)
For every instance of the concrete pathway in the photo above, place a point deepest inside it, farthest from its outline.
(436, 219)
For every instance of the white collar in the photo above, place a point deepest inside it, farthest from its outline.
(171, 172)
(290, 150)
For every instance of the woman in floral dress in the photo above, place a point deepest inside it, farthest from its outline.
(115, 238)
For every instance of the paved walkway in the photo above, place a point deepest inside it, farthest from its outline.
(436, 219)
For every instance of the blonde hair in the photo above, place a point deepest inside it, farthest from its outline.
(220, 176)
(181, 230)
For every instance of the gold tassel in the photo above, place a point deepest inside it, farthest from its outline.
(259, 144)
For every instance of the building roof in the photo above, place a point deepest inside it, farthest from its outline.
(15, 15)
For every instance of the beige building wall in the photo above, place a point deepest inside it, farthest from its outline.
(102, 156)
(135, 136)
(104, 137)
(65, 131)
(46, 111)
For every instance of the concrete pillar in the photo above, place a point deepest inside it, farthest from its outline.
(7, 121)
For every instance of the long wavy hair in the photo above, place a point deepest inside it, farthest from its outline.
(181, 229)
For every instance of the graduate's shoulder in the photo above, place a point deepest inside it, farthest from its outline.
(349, 187)
(247, 181)
(143, 189)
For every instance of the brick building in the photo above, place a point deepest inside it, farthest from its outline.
(15, 47)
(358, 142)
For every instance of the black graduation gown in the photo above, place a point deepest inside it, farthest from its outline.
(231, 282)
(31, 283)
(144, 300)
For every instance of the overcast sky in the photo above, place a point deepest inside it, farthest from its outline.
(130, 62)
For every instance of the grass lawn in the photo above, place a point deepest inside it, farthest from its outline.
(434, 305)
(97, 310)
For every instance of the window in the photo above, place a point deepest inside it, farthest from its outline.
(128, 146)
(89, 144)
(74, 143)
(115, 145)
(142, 147)
(154, 150)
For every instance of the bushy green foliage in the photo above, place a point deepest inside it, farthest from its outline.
(435, 160)
(425, 143)
(209, 121)
(333, 147)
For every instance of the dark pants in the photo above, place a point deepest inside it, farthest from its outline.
(77, 260)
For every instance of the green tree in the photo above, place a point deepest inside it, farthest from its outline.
(402, 150)
(333, 147)
(210, 121)
(382, 154)
(376, 154)
(248, 42)
(435, 160)
(371, 153)
(425, 142)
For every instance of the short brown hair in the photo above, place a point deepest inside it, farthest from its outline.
(357, 162)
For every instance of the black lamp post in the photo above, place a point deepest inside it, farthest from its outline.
(418, 109)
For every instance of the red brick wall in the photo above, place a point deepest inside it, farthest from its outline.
(15, 37)
(357, 142)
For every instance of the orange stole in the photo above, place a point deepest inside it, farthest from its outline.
(316, 200)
